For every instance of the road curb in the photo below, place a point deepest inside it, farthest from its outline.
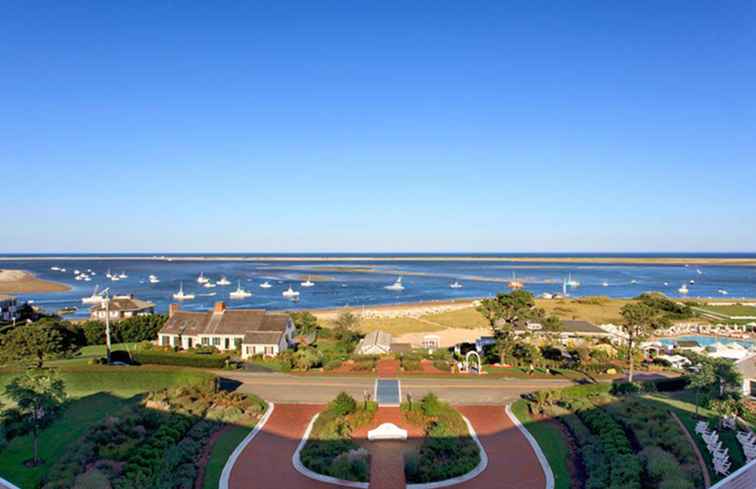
(226, 474)
(534, 444)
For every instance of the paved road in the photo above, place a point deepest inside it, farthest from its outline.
(282, 388)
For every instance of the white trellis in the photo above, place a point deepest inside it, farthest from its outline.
(479, 367)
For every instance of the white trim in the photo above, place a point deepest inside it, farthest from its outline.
(462, 478)
(723, 483)
(226, 474)
(536, 448)
(299, 466)
(8, 484)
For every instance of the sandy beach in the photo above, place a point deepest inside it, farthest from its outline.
(22, 282)
(390, 311)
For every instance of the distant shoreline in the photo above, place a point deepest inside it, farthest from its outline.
(609, 260)
(23, 282)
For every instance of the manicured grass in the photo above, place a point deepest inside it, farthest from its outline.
(99, 350)
(222, 449)
(95, 392)
(735, 310)
(551, 441)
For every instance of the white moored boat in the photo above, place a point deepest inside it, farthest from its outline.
(180, 296)
(239, 293)
(153, 279)
(290, 293)
(123, 275)
(396, 285)
(201, 279)
(514, 283)
(683, 289)
(109, 275)
(265, 285)
(209, 285)
(307, 283)
(223, 282)
(572, 282)
(605, 284)
(95, 298)
(455, 285)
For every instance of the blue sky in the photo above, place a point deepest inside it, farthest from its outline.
(378, 126)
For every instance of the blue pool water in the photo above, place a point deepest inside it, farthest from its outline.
(362, 281)
(706, 340)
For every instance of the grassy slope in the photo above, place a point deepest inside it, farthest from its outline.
(683, 405)
(96, 392)
(551, 442)
(222, 449)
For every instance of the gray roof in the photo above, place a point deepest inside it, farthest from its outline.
(253, 324)
(379, 339)
(125, 304)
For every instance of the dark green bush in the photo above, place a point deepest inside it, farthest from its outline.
(625, 388)
(343, 405)
(182, 359)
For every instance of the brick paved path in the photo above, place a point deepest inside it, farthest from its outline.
(387, 368)
(266, 462)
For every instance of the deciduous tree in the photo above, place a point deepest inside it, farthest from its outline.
(639, 320)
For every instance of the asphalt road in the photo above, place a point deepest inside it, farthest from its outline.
(311, 389)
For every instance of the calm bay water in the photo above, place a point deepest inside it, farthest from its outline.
(362, 282)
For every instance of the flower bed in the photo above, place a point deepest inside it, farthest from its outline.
(330, 450)
(447, 451)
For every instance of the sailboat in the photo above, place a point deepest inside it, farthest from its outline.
(95, 298)
(396, 285)
(290, 293)
(265, 285)
(514, 283)
(209, 285)
(180, 296)
(109, 275)
(153, 279)
(115, 278)
(723, 291)
(455, 285)
(123, 275)
(572, 282)
(307, 283)
(201, 279)
(683, 289)
(223, 281)
(239, 293)
(605, 283)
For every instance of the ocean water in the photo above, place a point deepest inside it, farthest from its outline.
(362, 281)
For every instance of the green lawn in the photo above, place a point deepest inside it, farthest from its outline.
(735, 310)
(551, 441)
(99, 350)
(95, 392)
(222, 449)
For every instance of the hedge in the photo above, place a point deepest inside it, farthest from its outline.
(180, 359)
(668, 384)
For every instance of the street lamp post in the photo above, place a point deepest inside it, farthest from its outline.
(106, 298)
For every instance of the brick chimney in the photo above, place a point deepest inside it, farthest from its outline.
(172, 308)
(220, 306)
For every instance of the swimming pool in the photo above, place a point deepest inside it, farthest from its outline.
(706, 340)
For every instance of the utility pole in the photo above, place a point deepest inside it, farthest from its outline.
(106, 298)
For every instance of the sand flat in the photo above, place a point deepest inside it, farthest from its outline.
(23, 282)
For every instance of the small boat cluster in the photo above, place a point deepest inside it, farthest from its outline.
(79, 275)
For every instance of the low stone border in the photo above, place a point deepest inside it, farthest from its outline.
(299, 466)
(226, 474)
(462, 478)
(4, 484)
(536, 448)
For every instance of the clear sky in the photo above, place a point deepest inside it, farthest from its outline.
(378, 126)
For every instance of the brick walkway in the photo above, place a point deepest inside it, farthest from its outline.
(387, 368)
(266, 462)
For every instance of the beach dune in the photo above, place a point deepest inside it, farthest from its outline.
(23, 282)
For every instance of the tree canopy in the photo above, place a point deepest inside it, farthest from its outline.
(32, 344)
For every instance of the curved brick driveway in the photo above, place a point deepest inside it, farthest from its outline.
(266, 462)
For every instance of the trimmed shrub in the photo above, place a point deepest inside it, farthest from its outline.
(183, 359)
(343, 405)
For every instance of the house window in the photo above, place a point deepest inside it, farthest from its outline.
(165, 340)
(228, 343)
(189, 342)
(248, 350)
(216, 341)
(268, 351)
(237, 343)
(205, 341)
